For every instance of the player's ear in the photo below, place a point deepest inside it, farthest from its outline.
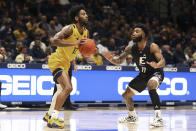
(76, 18)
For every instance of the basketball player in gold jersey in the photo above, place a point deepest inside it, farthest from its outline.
(67, 41)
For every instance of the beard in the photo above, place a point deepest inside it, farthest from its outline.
(82, 22)
(137, 39)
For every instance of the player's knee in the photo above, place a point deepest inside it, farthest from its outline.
(152, 84)
(69, 89)
(127, 93)
(124, 95)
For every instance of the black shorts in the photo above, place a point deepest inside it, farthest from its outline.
(139, 83)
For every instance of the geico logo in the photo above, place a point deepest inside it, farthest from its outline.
(26, 85)
(16, 103)
(45, 66)
(170, 88)
(192, 69)
(16, 65)
(30, 85)
(170, 69)
(81, 67)
(114, 68)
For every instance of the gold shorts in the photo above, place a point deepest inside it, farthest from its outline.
(57, 66)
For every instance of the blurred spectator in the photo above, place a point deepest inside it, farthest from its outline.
(48, 50)
(18, 49)
(38, 53)
(6, 56)
(102, 46)
(24, 57)
(179, 56)
(96, 38)
(194, 55)
(43, 23)
(112, 46)
(168, 55)
(119, 42)
(40, 31)
(31, 25)
(1, 58)
(38, 40)
(97, 58)
(84, 60)
(5, 29)
(19, 33)
(58, 25)
(193, 44)
(128, 61)
(189, 55)
(52, 28)
(8, 42)
(194, 64)
(162, 38)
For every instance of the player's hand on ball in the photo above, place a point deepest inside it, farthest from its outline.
(87, 47)
(152, 64)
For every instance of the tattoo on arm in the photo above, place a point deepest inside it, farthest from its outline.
(59, 35)
(63, 34)
(122, 57)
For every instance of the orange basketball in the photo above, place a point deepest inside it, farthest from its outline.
(87, 48)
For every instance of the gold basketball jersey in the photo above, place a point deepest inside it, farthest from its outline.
(64, 55)
(69, 53)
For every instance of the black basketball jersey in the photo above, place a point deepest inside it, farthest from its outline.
(141, 57)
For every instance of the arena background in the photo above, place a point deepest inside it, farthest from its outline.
(23, 22)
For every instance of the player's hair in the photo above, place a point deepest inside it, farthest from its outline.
(74, 11)
(143, 27)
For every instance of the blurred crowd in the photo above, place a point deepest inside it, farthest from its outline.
(27, 25)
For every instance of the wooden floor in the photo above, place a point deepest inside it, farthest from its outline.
(181, 118)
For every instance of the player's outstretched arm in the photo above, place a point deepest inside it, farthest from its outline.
(117, 60)
(156, 51)
(63, 34)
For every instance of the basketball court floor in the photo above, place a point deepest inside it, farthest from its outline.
(181, 118)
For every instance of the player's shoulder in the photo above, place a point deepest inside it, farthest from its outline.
(154, 47)
(67, 28)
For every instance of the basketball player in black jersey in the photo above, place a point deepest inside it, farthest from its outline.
(150, 62)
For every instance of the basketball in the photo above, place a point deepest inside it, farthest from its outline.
(87, 48)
